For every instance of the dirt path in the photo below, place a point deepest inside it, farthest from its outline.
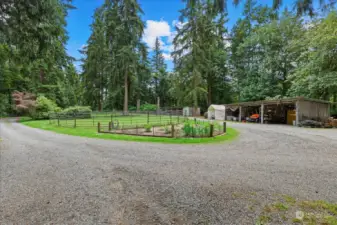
(52, 178)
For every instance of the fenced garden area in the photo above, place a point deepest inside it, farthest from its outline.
(156, 124)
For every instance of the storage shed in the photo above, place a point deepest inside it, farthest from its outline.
(290, 111)
(191, 111)
(216, 112)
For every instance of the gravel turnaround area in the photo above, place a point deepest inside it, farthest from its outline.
(49, 178)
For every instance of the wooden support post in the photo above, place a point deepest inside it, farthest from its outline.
(172, 130)
(171, 116)
(74, 121)
(110, 126)
(225, 114)
(297, 112)
(240, 115)
(211, 130)
(58, 119)
(224, 127)
(99, 127)
(148, 117)
(262, 114)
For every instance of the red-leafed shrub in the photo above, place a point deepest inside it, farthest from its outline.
(24, 102)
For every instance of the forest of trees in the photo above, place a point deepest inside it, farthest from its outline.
(269, 53)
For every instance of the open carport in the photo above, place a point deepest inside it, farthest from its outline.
(290, 111)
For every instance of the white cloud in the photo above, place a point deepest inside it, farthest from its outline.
(156, 29)
(164, 32)
(83, 47)
(178, 24)
(167, 56)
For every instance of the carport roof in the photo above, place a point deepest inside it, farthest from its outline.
(217, 107)
(276, 101)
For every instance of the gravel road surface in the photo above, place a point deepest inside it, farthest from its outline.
(49, 178)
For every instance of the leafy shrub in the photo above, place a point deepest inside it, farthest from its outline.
(132, 108)
(333, 112)
(148, 107)
(44, 106)
(197, 129)
(148, 127)
(167, 130)
(24, 102)
(4, 105)
(77, 109)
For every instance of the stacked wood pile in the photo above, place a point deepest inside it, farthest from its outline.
(332, 122)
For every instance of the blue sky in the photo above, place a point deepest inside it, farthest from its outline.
(160, 17)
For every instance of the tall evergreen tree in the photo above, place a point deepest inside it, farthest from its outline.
(159, 72)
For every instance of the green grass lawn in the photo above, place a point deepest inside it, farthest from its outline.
(88, 128)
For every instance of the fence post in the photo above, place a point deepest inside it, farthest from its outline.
(58, 119)
(74, 120)
(172, 130)
(211, 130)
(148, 117)
(171, 116)
(99, 127)
(137, 129)
(110, 127)
(224, 127)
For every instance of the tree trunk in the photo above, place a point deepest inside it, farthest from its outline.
(209, 89)
(209, 95)
(99, 104)
(126, 93)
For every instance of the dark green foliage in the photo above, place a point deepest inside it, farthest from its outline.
(32, 50)
(115, 63)
(192, 129)
(148, 127)
(4, 105)
(148, 107)
(73, 110)
(268, 54)
(43, 107)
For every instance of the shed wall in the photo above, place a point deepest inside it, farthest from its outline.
(313, 110)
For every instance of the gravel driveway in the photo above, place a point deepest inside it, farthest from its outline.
(49, 178)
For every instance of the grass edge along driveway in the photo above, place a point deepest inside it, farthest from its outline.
(92, 133)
